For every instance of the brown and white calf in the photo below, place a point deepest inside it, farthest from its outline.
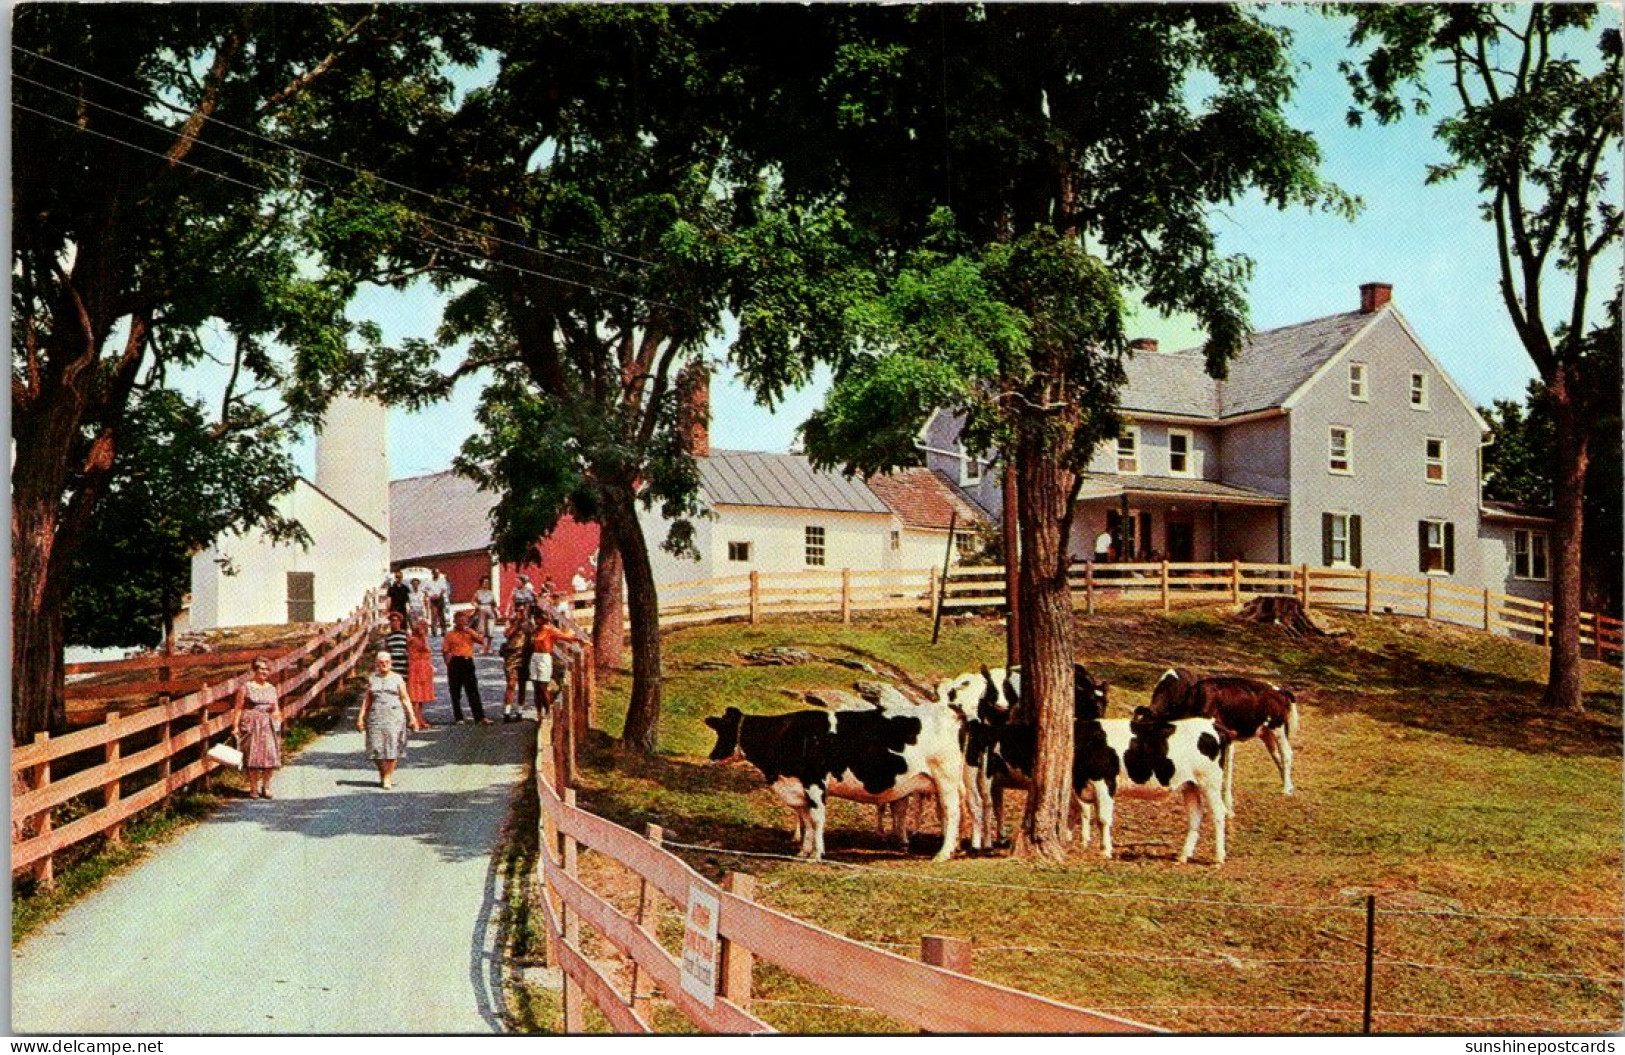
(1244, 706)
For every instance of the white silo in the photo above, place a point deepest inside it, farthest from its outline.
(352, 459)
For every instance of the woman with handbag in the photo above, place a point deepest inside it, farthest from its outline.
(386, 717)
(256, 723)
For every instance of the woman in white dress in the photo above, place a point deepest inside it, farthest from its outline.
(386, 717)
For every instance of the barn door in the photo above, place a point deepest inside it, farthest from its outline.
(301, 597)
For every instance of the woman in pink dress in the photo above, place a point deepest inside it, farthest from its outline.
(419, 669)
(256, 722)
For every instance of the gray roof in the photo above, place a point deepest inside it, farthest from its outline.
(432, 516)
(1111, 485)
(1271, 366)
(783, 481)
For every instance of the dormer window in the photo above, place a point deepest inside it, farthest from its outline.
(970, 471)
(1128, 450)
(1357, 382)
(1419, 391)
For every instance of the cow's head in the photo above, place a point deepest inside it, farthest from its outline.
(1090, 698)
(1172, 689)
(727, 726)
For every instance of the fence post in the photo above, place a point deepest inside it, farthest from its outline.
(115, 786)
(1430, 599)
(1486, 608)
(755, 597)
(1303, 585)
(45, 869)
(1370, 953)
(648, 920)
(575, 1018)
(950, 953)
(1089, 586)
(931, 592)
(734, 972)
(1546, 623)
(1165, 602)
(846, 595)
(1235, 582)
(1370, 591)
(1596, 635)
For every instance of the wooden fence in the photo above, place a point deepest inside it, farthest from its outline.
(753, 595)
(934, 993)
(107, 773)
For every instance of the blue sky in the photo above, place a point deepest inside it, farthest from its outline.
(1429, 242)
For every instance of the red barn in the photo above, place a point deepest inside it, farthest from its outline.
(444, 521)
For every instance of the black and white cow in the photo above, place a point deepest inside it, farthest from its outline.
(870, 755)
(1245, 706)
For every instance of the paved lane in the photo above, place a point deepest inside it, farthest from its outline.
(336, 907)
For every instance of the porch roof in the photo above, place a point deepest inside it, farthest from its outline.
(1110, 485)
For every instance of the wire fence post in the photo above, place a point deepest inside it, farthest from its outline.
(1370, 953)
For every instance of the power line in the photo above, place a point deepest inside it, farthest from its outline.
(337, 164)
(423, 241)
(311, 181)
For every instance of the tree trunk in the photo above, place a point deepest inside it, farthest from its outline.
(37, 700)
(1044, 487)
(1012, 567)
(1573, 439)
(643, 711)
(609, 605)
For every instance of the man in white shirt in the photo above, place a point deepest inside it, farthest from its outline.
(438, 595)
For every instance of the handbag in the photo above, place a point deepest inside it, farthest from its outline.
(226, 755)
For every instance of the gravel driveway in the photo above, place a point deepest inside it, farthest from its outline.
(336, 907)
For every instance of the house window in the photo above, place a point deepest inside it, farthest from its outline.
(815, 546)
(970, 471)
(1128, 450)
(1436, 545)
(1357, 382)
(896, 540)
(1529, 555)
(1340, 540)
(1179, 453)
(964, 543)
(1419, 391)
(301, 597)
(739, 552)
(1435, 460)
(1341, 451)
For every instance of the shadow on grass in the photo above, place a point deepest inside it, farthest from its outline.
(1473, 688)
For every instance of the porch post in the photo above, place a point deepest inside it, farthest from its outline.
(1213, 533)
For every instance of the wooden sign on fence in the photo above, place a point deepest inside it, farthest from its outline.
(700, 946)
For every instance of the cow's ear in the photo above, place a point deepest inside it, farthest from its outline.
(733, 712)
(988, 674)
(713, 721)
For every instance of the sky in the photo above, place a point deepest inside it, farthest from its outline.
(1430, 243)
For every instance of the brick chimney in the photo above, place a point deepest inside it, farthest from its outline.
(694, 408)
(1374, 295)
(1143, 344)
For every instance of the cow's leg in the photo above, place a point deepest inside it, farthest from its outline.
(901, 815)
(971, 796)
(1086, 819)
(1212, 799)
(996, 792)
(813, 845)
(791, 792)
(1227, 760)
(1280, 749)
(948, 799)
(1104, 812)
(1193, 820)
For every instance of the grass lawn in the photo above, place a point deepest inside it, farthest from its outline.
(1426, 774)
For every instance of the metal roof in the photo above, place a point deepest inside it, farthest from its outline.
(782, 481)
(430, 516)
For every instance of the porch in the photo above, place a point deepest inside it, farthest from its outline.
(1141, 519)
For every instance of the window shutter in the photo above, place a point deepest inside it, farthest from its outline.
(1326, 539)
(1422, 546)
(1450, 548)
(1355, 556)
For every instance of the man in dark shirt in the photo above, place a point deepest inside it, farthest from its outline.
(400, 595)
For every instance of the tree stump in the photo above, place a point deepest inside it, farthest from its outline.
(1281, 610)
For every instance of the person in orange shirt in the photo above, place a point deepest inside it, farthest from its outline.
(458, 647)
(419, 668)
(542, 639)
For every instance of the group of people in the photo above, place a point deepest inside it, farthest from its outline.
(402, 678)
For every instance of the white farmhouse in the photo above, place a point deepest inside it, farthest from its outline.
(248, 579)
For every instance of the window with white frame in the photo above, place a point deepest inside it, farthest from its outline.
(1357, 382)
(896, 540)
(1529, 560)
(970, 470)
(1181, 456)
(964, 544)
(739, 552)
(1341, 540)
(1340, 450)
(815, 546)
(1128, 450)
(1419, 391)
(1436, 543)
(1435, 460)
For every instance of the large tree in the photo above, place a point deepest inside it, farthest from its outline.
(1078, 149)
(1534, 116)
(587, 214)
(146, 211)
